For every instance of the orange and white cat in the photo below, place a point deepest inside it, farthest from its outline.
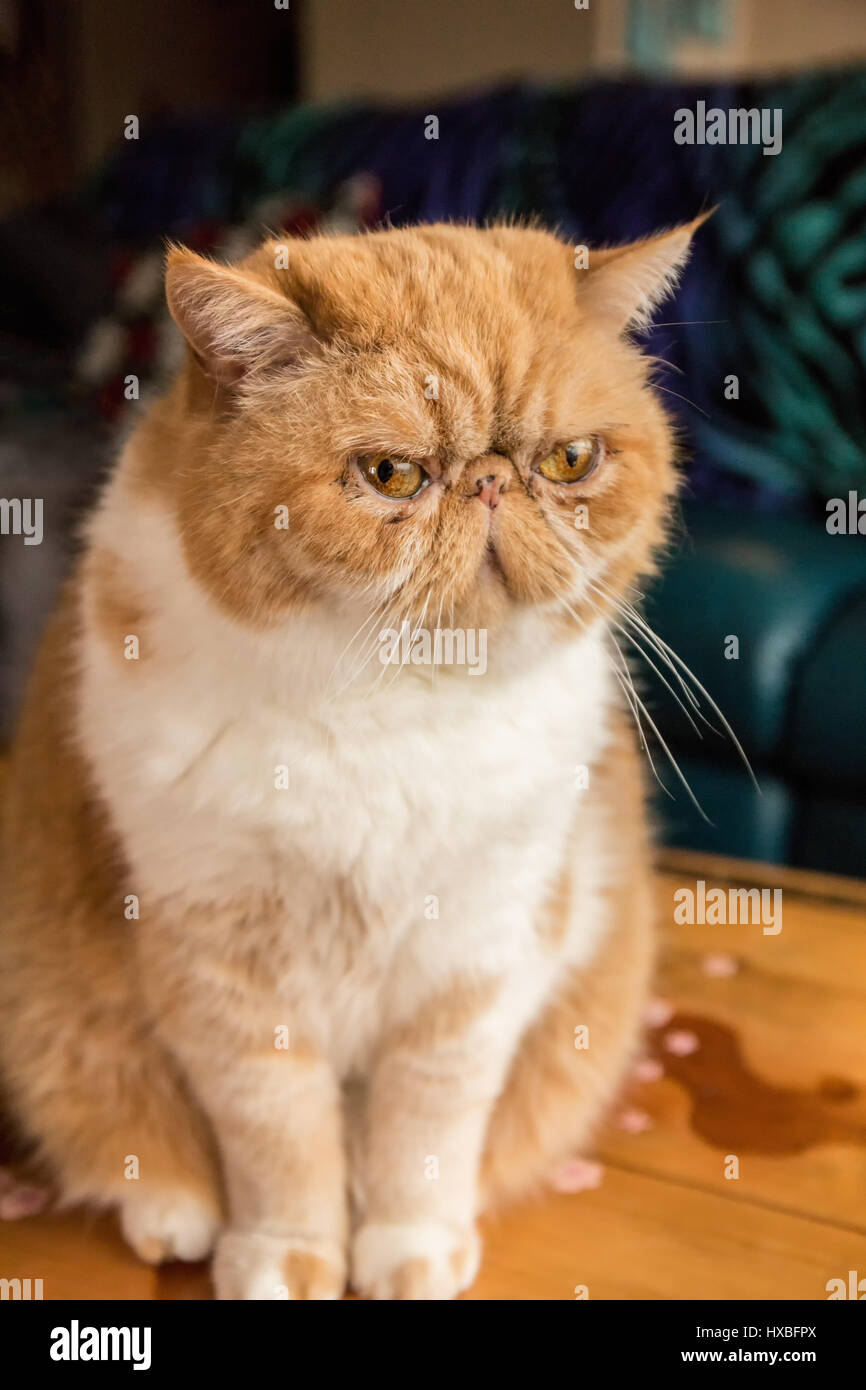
(294, 942)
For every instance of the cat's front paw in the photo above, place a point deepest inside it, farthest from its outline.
(169, 1225)
(423, 1260)
(253, 1265)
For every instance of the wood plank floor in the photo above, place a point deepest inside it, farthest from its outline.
(768, 1069)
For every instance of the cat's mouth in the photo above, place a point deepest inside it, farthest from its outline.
(491, 564)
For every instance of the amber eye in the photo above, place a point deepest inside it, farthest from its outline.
(393, 477)
(571, 463)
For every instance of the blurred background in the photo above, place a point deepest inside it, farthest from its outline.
(209, 120)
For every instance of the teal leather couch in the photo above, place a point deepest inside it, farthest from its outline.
(794, 597)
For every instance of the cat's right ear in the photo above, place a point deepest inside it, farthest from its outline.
(234, 325)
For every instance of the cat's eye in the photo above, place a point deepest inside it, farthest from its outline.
(572, 463)
(392, 476)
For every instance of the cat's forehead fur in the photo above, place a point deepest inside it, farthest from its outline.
(375, 288)
(488, 322)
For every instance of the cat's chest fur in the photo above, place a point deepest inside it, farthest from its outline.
(388, 787)
(435, 811)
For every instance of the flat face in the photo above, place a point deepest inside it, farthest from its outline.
(445, 415)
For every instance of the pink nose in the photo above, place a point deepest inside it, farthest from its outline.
(489, 489)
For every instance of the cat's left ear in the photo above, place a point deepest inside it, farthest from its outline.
(624, 285)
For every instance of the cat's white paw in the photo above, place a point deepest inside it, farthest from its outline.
(168, 1225)
(251, 1265)
(417, 1261)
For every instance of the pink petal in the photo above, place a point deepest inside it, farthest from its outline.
(576, 1175)
(720, 967)
(658, 1012)
(22, 1201)
(649, 1069)
(681, 1042)
(633, 1121)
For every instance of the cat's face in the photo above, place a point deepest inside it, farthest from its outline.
(441, 421)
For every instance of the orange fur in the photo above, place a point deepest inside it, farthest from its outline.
(82, 1069)
(555, 1092)
(117, 1033)
(380, 309)
(120, 612)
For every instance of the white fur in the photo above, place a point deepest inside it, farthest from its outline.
(167, 1226)
(251, 1267)
(459, 788)
(380, 1249)
(402, 788)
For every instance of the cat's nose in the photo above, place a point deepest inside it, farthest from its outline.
(489, 487)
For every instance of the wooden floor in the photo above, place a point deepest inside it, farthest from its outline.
(768, 1068)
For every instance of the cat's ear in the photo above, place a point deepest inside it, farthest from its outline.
(234, 324)
(624, 285)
